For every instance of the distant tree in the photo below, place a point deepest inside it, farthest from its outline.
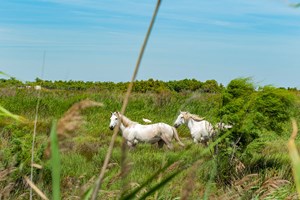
(272, 108)
(38, 80)
(12, 81)
(240, 87)
(184, 85)
(211, 86)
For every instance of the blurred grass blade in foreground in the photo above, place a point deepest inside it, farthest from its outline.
(295, 5)
(4, 74)
(55, 163)
(6, 113)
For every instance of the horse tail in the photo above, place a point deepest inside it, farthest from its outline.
(211, 130)
(177, 137)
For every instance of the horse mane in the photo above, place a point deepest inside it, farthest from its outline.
(125, 120)
(195, 117)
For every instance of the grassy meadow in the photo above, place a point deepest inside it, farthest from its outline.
(252, 161)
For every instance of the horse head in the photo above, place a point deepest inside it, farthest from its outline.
(114, 120)
(181, 119)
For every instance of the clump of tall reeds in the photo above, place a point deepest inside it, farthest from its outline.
(60, 131)
(70, 122)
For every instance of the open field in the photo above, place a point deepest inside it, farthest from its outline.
(252, 161)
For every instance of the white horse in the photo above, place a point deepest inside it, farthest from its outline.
(134, 132)
(201, 130)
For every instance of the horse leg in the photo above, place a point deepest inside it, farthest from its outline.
(177, 137)
(204, 140)
(160, 143)
(168, 143)
(195, 141)
(135, 142)
(131, 144)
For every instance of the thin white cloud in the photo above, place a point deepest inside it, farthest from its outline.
(200, 36)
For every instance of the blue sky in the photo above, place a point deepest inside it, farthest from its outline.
(100, 40)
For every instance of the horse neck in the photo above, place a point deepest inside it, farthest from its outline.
(126, 121)
(192, 123)
(122, 127)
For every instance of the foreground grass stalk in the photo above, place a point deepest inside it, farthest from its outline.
(153, 177)
(160, 176)
(124, 166)
(4, 74)
(190, 181)
(55, 163)
(33, 138)
(213, 174)
(111, 145)
(34, 128)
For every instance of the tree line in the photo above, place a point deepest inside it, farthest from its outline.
(142, 86)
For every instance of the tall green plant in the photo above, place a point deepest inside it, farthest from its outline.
(55, 163)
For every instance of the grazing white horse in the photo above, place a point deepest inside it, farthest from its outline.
(134, 132)
(201, 130)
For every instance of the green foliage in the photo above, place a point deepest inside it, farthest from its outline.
(11, 82)
(273, 108)
(260, 131)
(257, 117)
(211, 86)
(241, 87)
(235, 98)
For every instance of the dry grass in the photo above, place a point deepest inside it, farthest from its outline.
(253, 185)
(269, 186)
(5, 180)
(72, 119)
(69, 123)
(35, 188)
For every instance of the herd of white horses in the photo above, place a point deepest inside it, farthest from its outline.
(161, 133)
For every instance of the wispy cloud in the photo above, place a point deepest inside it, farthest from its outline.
(202, 36)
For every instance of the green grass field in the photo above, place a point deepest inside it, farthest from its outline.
(257, 167)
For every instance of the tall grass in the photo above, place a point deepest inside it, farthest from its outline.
(88, 144)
